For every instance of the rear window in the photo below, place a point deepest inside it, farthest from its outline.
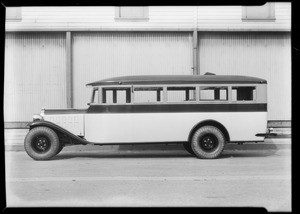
(243, 93)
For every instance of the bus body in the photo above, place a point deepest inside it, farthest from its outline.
(199, 111)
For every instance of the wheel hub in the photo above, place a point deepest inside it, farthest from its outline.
(41, 144)
(208, 143)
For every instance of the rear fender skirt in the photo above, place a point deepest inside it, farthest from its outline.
(57, 128)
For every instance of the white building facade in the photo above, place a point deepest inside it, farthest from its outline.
(51, 53)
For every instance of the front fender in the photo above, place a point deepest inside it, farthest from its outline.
(56, 128)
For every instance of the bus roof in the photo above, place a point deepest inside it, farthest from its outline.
(177, 79)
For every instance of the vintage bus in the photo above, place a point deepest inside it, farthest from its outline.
(202, 112)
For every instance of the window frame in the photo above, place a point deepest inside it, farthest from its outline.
(181, 86)
(164, 97)
(92, 99)
(215, 101)
(271, 13)
(144, 18)
(100, 93)
(255, 98)
(148, 86)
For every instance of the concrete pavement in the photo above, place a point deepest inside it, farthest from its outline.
(242, 178)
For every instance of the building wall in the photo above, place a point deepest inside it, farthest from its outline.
(264, 55)
(229, 18)
(34, 75)
(101, 47)
(166, 18)
(100, 55)
(35, 64)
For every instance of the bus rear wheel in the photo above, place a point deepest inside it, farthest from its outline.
(208, 142)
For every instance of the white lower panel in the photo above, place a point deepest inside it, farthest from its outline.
(168, 127)
(71, 122)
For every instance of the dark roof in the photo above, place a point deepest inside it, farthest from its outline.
(176, 79)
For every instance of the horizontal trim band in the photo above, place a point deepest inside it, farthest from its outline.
(16, 125)
(32, 28)
(253, 107)
(149, 178)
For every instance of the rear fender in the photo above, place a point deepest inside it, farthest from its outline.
(75, 139)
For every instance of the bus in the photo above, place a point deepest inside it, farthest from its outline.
(201, 112)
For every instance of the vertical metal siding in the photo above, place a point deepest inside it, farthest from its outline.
(34, 74)
(264, 55)
(102, 55)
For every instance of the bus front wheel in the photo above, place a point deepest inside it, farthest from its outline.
(208, 142)
(41, 143)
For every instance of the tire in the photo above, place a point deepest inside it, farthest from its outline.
(187, 146)
(41, 143)
(208, 142)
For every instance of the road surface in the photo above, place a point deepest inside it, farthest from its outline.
(238, 178)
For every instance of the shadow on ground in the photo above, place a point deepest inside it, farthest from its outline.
(160, 154)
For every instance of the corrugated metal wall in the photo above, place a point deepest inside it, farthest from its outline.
(264, 55)
(35, 67)
(101, 55)
(34, 74)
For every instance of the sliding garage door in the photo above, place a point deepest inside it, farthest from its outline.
(100, 55)
(265, 55)
(34, 74)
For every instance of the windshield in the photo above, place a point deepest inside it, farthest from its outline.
(95, 97)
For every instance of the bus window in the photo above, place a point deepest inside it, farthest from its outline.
(148, 94)
(180, 94)
(116, 95)
(243, 93)
(213, 93)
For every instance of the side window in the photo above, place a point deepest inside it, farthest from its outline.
(208, 93)
(243, 93)
(116, 95)
(148, 94)
(180, 94)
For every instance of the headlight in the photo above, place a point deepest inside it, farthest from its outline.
(37, 117)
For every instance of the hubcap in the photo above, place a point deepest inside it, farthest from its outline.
(208, 142)
(41, 144)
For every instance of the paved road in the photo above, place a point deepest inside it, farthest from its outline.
(165, 178)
